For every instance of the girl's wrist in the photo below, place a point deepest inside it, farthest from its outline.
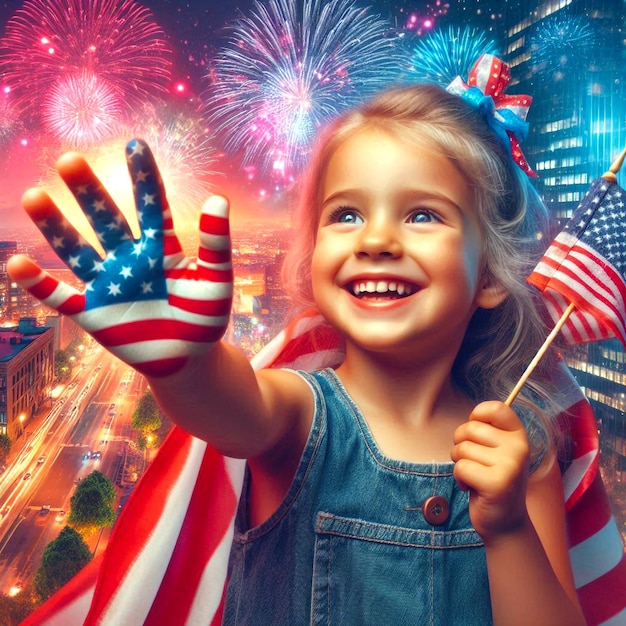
(516, 531)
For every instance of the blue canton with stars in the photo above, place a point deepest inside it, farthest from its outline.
(597, 222)
(132, 270)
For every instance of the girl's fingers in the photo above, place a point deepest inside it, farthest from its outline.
(482, 433)
(63, 238)
(204, 296)
(43, 286)
(106, 219)
(497, 414)
(471, 474)
(473, 452)
(158, 238)
(214, 254)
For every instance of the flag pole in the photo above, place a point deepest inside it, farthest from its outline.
(546, 344)
(610, 176)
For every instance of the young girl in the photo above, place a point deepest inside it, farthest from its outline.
(396, 488)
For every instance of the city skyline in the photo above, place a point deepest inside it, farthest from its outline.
(196, 163)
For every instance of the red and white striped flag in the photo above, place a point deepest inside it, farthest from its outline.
(585, 266)
(166, 562)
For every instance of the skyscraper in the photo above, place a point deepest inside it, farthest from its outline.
(569, 55)
(8, 294)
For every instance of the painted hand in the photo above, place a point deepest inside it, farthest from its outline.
(145, 300)
(492, 453)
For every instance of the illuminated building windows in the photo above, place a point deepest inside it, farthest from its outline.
(570, 196)
(568, 142)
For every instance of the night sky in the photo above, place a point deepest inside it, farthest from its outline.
(195, 32)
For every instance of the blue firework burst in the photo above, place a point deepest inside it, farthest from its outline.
(560, 40)
(288, 67)
(445, 54)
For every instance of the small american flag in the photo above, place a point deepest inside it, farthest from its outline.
(166, 561)
(585, 266)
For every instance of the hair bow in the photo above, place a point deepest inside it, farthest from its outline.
(506, 114)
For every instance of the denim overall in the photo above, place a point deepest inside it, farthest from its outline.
(350, 544)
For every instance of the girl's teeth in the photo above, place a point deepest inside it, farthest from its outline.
(382, 286)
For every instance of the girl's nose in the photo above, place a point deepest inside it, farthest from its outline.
(378, 240)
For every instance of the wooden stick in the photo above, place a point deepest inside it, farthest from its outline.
(540, 353)
(611, 174)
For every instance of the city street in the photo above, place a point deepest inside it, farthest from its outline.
(87, 428)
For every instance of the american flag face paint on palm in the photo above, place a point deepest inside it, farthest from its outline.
(145, 300)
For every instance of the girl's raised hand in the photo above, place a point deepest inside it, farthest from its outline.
(491, 455)
(145, 300)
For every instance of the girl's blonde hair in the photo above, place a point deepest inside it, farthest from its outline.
(499, 343)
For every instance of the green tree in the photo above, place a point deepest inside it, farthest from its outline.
(62, 559)
(62, 365)
(146, 417)
(91, 505)
(5, 447)
(99, 480)
(14, 610)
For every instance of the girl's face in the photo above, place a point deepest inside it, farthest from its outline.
(398, 258)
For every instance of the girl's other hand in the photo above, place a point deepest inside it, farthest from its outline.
(491, 455)
(144, 300)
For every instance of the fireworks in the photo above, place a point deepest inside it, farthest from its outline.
(115, 41)
(9, 120)
(289, 67)
(81, 109)
(562, 42)
(445, 54)
(184, 154)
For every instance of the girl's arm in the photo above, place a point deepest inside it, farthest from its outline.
(522, 522)
(161, 312)
(242, 413)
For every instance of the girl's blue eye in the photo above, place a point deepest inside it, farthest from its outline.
(422, 216)
(345, 216)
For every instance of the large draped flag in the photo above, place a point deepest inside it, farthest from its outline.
(166, 561)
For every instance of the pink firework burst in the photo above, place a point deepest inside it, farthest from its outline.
(115, 40)
(81, 109)
(9, 119)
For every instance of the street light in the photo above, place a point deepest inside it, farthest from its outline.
(14, 590)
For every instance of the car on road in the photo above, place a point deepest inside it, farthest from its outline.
(86, 456)
(45, 509)
(41, 459)
(5, 511)
(96, 455)
(26, 476)
(60, 515)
